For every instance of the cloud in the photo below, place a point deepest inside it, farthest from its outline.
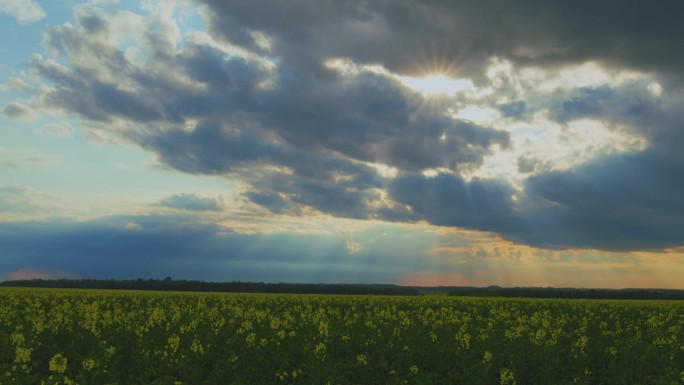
(15, 83)
(23, 200)
(179, 246)
(592, 90)
(55, 130)
(462, 36)
(104, 2)
(185, 247)
(618, 202)
(358, 117)
(18, 111)
(631, 106)
(354, 247)
(311, 138)
(23, 158)
(192, 202)
(25, 11)
(516, 109)
(448, 200)
(529, 165)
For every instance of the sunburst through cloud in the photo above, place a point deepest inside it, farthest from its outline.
(441, 143)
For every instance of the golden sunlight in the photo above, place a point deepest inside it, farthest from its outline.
(436, 84)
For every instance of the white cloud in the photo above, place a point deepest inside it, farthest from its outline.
(655, 89)
(104, 2)
(354, 247)
(478, 114)
(556, 147)
(55, 131)
(19, 158)
(192, 202)
(15, 84)
(25, 11)
(19, 111)
(21, 201)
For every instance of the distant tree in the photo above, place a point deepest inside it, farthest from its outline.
(169, 284)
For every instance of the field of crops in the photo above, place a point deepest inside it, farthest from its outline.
(116, 337)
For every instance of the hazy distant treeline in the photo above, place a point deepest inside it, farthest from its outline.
(169, 284)
(570, 293)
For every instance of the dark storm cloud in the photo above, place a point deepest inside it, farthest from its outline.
(192, 202)
(448, 200)
(367, 117)
(177, 245)
(302, 136)
(342, 198)
(106, 246)
(299, 138)
(618, 202)
(373, 118)
(633, 106)
(89, 246)
(273, 201)
(208, 149)
(404, 36)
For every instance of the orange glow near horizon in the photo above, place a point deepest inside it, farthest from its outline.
(485, 259)
(556, 276)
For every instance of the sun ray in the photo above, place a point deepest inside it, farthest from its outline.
(436, 84)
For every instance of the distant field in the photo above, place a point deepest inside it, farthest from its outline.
(126, 337)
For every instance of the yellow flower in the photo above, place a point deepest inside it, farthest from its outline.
(196, 347)
(487, 356)
(174, 343)
(58, 363)
(88, 364)
(23, 355)
(251, 337)
(319, 350)
(507, 377)
(281, 374)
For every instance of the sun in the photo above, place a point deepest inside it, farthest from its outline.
(435, 70)
(436, 84)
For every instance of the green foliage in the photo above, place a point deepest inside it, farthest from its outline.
(169, 284)
(120, 337)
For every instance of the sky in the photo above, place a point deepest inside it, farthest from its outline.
(527, 143)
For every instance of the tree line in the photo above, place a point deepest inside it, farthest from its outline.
(568, 293)
(169, 284)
